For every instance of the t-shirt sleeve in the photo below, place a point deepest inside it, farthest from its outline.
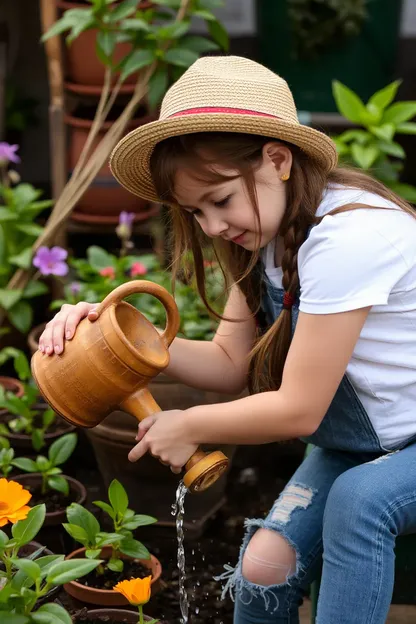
(345, 265)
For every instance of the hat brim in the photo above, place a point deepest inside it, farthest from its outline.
(130, 159)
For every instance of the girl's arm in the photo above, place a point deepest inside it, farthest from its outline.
(219, 365)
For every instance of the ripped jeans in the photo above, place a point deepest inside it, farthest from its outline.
(343, 511)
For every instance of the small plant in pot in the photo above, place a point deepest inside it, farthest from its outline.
(123, 556)
(46, 481)
(25, 582)
(26, 419)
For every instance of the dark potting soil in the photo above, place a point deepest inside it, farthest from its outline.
(132, 569)
(54, 501)
(81, 617)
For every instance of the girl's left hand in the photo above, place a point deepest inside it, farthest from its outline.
(164, 436)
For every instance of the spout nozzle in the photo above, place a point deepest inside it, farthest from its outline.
(205, 472)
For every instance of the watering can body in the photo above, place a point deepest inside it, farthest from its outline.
(107, 366)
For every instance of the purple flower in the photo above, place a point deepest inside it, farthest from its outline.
(51, 261)
(126, 218)
(75, 288)
(8, 153)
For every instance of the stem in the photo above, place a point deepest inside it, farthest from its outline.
(8, 566)
(141, 620)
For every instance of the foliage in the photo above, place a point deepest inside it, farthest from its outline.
(84, 527)
(31, 417)
(372, 146)
(154, 35)
(318, 25)
(23, 581)
(59, 452)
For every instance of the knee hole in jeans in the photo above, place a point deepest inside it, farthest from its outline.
(268, 559)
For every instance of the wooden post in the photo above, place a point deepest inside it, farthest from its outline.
(3, 72)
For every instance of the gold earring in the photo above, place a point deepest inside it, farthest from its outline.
(284, 177)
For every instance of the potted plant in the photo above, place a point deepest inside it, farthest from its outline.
(10, 384)
(26, 420)
(122, 556)
(372, 146)
(21, 205)
(27, 581)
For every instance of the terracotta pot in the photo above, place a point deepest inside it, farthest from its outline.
(105, 198)
(23, 441)
(108, 597)
(33, 337)
(110, 362)
(115, 615)
(10, 384)
(54, 518)
(84, 69)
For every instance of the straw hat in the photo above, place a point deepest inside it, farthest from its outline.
(218, 94)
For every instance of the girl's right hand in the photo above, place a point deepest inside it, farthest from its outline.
(63, 325)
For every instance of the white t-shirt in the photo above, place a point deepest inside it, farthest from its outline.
(360, 258)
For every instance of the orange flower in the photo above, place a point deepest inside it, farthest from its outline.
(137, 591)
(13, 499)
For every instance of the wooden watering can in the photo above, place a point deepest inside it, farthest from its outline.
(107, 366)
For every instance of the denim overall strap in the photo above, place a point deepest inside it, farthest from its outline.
(346, 425)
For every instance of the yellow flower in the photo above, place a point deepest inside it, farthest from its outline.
(137, 591)
(13, 499)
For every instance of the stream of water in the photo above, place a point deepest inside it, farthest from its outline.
(178, 510)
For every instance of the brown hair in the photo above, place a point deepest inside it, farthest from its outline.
(203, 153)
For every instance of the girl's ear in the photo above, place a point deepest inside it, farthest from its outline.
(280, 156)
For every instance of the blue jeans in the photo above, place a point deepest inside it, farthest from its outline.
(343, 510)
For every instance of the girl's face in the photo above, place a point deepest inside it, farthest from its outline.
(225, 210)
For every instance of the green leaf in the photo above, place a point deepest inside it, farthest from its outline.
(157, 86)
(116, 565)
(46, 562)
(385, 96)
(77, 532)
(38, 439)
(60, 484)
(24, 463)
(123, 10)
(181, 57)
(348, 103)
(173, 31)
(106, 42)
(70, 570)
(61, 450)
(137, 60)
(24, 531)
(48, 417)
(51, 613)
(118, 497)
(105, 539)
(99, 259)
(399, 112)
(205, 15)
(3, 539)
(219, 35)
(198, 44)
(138, 520)
(30, 568)
(407, 191)
(34, 289)
(105, 507)
(384, 132)
(9, 297)
(392, 148)
(30, 228)
(7, 215)
(77, 514)
(13, 618)
(21, 316)
(406, 128)
(135, 24)
(22, 259)
(134, 548)
(364, 156)
(93, 553)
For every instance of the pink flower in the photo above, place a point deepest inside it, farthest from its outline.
(137, 268)
(51, 261)
(108, 272)
(8, 153)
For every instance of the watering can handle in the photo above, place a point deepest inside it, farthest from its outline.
(149, 288)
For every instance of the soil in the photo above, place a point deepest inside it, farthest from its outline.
(132, 569)
(54, 501)
(82, 618)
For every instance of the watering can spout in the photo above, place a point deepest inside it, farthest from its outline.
(109, 363)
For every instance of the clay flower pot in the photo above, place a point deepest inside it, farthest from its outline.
(10, 384)
(113, 615)
(108, 597)
(33, 337)
(77, 492)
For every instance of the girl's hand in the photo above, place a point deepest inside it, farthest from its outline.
(63, 325)
(163, 435)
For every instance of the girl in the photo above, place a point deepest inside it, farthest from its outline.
(320, 322)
